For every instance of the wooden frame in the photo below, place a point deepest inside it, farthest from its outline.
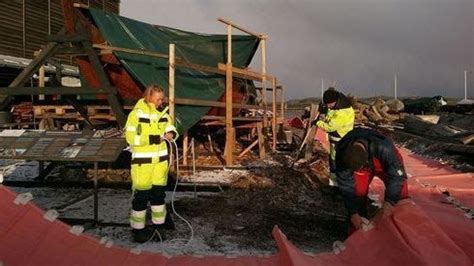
(82, 42)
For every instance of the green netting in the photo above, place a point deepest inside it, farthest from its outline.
(204, 49)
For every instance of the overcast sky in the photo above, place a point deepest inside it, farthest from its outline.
(360, 44)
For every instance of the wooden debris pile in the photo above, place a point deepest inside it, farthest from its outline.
(448, 128)
(22, 112)
(378, 112)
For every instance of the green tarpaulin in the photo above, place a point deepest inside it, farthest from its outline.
(204, 49)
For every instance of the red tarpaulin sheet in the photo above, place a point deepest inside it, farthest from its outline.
(426, 230)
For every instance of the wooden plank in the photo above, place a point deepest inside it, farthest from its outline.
(311, 133)
(181, 63)
(253, 75)
(41, 81)
(261, 141)
(171, 83)
(229, 144)
(274, 133)
(221, 69)
(248, 149)
(51, 90)
(264, 73)
(282, 102)
(106, 49)
(230, 23)
(34, 65)
(185, 148)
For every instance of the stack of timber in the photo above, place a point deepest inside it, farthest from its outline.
(379, 112)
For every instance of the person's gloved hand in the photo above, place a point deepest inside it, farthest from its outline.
(385, 211)
(356, 221)
(169, 135)
(154, 139)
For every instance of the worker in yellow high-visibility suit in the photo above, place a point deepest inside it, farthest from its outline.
(337, 122)
(147, 124)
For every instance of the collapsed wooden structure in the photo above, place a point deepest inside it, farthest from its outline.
(78, 42)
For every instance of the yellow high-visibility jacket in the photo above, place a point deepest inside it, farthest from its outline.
(149, 161)
(338, 122)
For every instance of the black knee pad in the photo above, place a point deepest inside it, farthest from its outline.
(157, 195)
(140, 199)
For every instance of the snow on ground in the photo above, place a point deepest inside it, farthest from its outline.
(114, 206)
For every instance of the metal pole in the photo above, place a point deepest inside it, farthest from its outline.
(465, 84)
(395, 85)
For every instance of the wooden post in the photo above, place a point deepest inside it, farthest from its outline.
(264, 79)
(274, 116)
(171, 66)
(41, 81)
(282, 103)
(185, 148)
(211, 148)
(228, 99)
(312, 132)
(261, 141)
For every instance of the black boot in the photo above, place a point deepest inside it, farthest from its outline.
(169, 224)
(141, 235)
(159, 232)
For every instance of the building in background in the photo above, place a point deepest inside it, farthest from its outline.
(26, 24)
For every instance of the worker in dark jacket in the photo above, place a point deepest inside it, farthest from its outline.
(362, 154)
(337, 122)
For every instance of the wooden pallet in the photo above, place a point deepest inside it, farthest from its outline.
(56, 110)
(95, 112)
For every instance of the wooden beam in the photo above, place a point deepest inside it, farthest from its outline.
(171, 67)
(185, 148)
(274, 133)
(109, 49)
(245, 73)
(34, 65)
(103, 79)
(221, 69)
(248, 149)
(79, 5)
(264, 74)
(311, 133)
(51, 90)
(41, 81)
(230, 23)
(228, 96)
(282, 102)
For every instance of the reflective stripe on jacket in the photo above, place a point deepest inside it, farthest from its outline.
(149, 161)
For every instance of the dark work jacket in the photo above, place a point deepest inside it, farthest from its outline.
(380, 148)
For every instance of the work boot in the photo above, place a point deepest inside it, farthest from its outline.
(141, 235)
(159, 231)
(169, 224)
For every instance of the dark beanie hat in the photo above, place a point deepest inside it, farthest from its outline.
(355, 156)
(330, 95)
